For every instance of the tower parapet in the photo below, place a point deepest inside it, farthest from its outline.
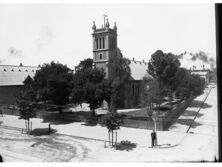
(104, 45)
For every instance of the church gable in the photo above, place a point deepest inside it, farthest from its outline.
(139, 69)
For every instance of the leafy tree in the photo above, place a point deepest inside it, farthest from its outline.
(112, 121)
(163, 67)
(196, 85)
(120, 74)
(53, 83)
(187, 84)
(88, 85)
(152, 93)
(85, 64)
(25, 100)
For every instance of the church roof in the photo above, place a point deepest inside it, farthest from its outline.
(15, 75)
(139, 69)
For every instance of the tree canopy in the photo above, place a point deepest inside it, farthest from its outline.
(88, 85)
(53, 83)
(121, 73)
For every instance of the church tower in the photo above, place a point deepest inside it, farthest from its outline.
(104, 45)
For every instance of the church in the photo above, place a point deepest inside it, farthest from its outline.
(104, 48)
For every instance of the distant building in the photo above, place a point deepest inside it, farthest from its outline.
(104, 48)
(205, 74)
(11, 81)
(197, 66)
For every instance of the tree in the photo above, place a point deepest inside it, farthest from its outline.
(152, 93)
(163, 67)
(121, 73)
(25, 100)
(196, 85)
(53, 83)
(186, 84)
(112, 121)
(85, 64)
(88, 85)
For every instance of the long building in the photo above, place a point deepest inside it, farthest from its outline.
(11, 81)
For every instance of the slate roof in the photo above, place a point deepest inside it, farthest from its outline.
(11, 75)
(138, 69)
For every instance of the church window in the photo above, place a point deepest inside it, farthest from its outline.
(103, 42)
(97, 43)
(100, 56)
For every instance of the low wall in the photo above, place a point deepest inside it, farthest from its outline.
(173, 115)
(163, 123)
(149, 124)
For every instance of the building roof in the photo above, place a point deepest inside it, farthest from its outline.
(15, 75)
(138, 69)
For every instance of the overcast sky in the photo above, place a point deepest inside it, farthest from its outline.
(39, 33)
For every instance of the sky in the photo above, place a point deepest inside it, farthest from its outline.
(39, 33)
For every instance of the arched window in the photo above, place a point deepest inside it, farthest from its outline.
(100, 56)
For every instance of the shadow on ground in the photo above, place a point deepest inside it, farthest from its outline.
(188, 122)
(192, 113)
(42, 131)
(126, 146)
(198, 103)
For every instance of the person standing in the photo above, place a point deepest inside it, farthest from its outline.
(153, 137)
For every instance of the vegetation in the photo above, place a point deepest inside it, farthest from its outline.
(26, 102)
(112, 121)
(121, 73)
(52, 83)
(89, 85)
(170, 80)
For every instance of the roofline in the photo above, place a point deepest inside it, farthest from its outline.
(18, 66)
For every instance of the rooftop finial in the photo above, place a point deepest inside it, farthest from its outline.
(115, 27)
(104, 16)
(107, 23)
(94, 25)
